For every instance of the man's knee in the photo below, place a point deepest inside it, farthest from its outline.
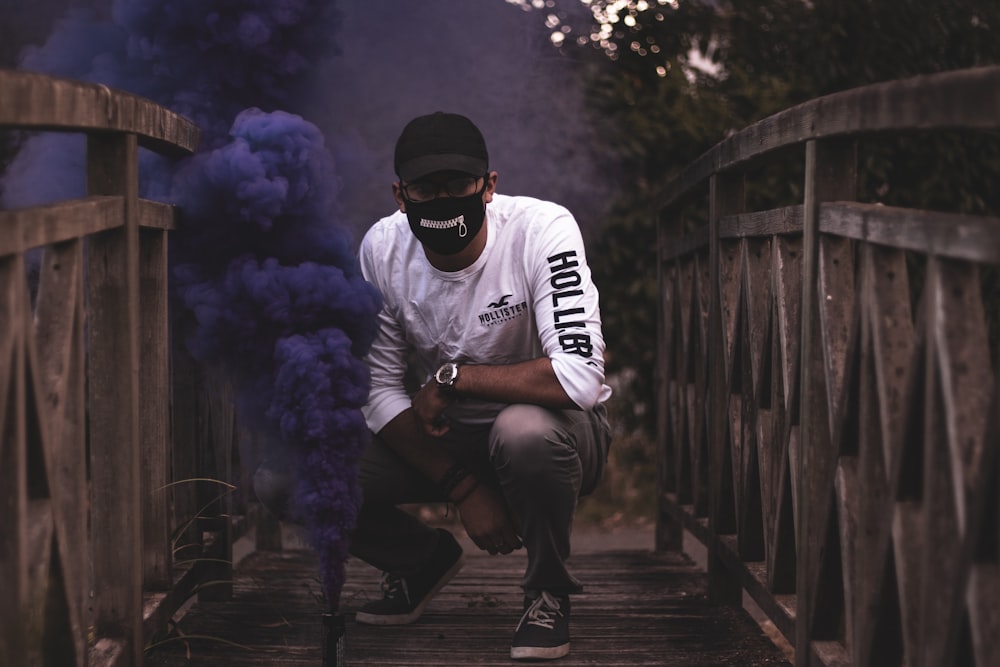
(528, 440)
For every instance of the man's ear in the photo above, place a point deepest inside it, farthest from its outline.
(491, 186)
(397, 194)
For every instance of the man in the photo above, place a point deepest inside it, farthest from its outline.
(490, 296)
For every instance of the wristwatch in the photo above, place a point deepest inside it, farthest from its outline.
(446, 377)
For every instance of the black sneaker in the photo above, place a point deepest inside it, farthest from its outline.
(405, 597)
(543, 633)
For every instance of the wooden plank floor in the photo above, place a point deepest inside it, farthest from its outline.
(639, 608)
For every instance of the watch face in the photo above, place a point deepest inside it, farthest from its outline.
(447, 373)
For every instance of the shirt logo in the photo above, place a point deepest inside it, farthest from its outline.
(501, 302)
(501, 311)
(568, 316)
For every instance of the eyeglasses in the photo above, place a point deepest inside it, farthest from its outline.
(421, 191)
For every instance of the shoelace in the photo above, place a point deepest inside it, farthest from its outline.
(542, 612)
(393, 585)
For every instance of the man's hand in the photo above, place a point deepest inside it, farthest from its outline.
(429, 404)
(488, 522)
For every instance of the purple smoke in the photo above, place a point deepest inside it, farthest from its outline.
(263, 267)
(288, 312)
(212, 58)
(205, 59)
(261, 260)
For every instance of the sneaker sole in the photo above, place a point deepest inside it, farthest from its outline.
(538, 652)
(406, 619)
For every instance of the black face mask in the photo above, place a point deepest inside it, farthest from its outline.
(447, 225)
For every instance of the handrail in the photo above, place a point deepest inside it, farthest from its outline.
(85, 390)
(959, 99)
(827, 387)
(46, 103)
(64, 221)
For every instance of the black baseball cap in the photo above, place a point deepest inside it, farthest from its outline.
(440, 142)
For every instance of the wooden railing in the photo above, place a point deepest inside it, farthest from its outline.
(828, 411)
(91, 494)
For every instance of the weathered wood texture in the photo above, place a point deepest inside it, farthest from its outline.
(113, 396)
(74, 345)
(639, 608)
(64, 221)
(41, 102)
(828, 398)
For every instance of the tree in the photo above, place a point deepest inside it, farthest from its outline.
(659, 111)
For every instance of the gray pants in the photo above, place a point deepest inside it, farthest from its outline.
(540, 460)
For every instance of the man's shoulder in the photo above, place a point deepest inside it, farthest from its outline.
(528, 206)
(532, 215)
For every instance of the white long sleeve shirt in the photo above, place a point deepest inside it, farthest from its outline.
(529, 294)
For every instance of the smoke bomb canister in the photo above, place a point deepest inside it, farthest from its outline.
(333, 640)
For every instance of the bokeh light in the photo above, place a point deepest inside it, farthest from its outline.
(617, 26)
(601, 23)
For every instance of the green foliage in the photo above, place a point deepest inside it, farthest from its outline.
(771, 55)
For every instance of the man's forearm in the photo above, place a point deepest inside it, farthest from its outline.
(532, 382)
(405, 435)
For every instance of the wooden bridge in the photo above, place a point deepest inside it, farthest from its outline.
(827, 405)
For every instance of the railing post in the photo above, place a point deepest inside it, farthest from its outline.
(113, 363)
(14, 642)
(154, 330)
(830, 175)
(726, 196)
(669, 529)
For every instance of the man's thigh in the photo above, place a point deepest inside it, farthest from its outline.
(388, 478)
(584, 431)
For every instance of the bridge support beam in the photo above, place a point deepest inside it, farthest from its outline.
(830, 175)
(113, 399)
